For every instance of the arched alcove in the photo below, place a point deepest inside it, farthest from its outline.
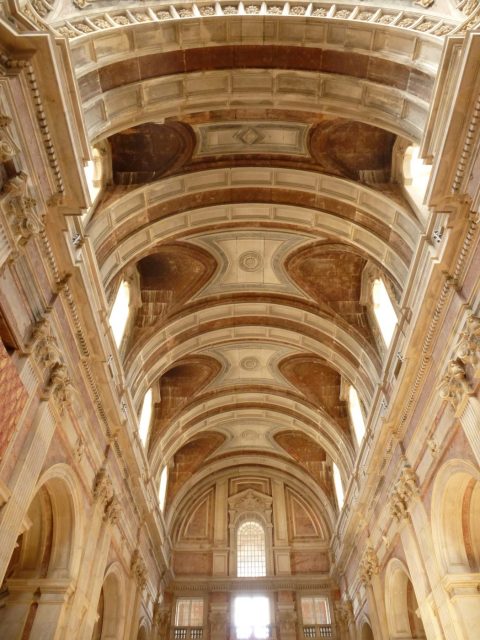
(401, 604)
(111, 609)
(456, 517)
(46, 557)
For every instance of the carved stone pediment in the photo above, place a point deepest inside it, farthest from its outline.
(249, 501)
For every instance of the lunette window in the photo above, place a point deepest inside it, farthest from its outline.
(145, 417)
(384, 311)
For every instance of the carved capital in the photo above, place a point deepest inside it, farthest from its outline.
(21, 209)
(8, 148)
(138, 569)
(112, 511)
(60, 384)
(454, 385)
(102, 487)
(468, 348)
(343, 614)
(369, 565)
(406, 488)
(45, 347)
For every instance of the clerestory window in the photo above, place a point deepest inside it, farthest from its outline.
(162, 491)
(356, 414)
(251, 556)
(338, 484)
(119, 314)
(145, 417)
(383, 310)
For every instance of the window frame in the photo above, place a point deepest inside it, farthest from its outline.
(241, 523)
(314, 596)
(190, 600)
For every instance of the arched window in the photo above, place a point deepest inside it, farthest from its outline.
(251, 556)
(119, 313)
(338, 484)
(162, 491)
(383, 309)
(356, 414)
(145, 417)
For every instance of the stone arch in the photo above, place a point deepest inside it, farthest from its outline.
(366, 632)
(455, 517)
(142, 632)
(401, 603)
(111, 606)
(46, 558)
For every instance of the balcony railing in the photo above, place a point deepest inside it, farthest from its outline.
(317, 631)
(187, 633)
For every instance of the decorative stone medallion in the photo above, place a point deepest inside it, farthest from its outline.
(249, 364)
(250, 261)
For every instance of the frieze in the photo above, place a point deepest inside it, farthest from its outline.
(98, 20)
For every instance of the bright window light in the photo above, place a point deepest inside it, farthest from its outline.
(251, 617)
(356, 414)
(119, 313)
(145, 417)
(89, 170)
(250, 550)
(315, 610)
(337, 482)
(416, 174)
(162, 491)
(384, 311)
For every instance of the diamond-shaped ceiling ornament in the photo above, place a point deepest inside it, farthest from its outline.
(249, 135)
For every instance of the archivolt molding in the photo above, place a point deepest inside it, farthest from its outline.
(290, 473)
(179, 95)
(107, 223)
(273, 409)
(189, 335)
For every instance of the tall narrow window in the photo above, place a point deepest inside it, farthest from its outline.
(145, 417)
(162, 491)
(337, 483)
(356, 414)
(251, 617)
(383, 310)
(251, 550)
(119, 313)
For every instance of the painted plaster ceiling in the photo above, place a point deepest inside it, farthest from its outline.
(253, 190)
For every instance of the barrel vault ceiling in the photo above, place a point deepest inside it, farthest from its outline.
(252, 165)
